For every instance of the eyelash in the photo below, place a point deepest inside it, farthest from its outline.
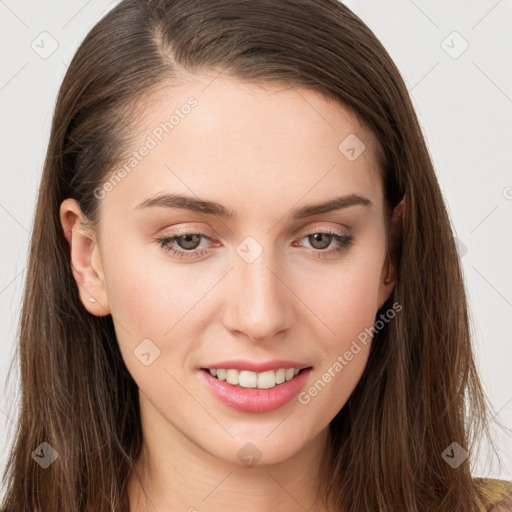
(345, 242)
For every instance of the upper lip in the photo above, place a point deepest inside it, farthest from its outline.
(242, 364)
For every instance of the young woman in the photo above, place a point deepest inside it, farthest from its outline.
(243, 287)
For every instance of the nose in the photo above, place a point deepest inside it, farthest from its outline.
(259, 303)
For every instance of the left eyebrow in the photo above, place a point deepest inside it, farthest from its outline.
(213, 208)
(334, 204)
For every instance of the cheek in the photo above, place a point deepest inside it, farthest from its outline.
(137, 292)
(328, 392)
(156, 299)
(343, 296)
(347, 311)
(148, 292)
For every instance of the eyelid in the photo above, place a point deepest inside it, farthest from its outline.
(324, 229)
(210, 233)
(190, 230)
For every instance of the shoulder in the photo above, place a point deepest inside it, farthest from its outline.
(496, 494)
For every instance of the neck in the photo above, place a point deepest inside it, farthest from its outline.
(175, 474)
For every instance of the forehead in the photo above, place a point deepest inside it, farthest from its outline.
(229, 140)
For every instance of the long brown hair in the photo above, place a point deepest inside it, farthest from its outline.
(420, 391)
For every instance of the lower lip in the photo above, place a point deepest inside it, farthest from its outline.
(252, 399)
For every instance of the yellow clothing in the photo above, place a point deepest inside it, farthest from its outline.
(496, 494)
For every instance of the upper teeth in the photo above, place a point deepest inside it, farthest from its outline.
(248, 379)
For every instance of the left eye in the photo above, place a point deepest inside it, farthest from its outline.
(189, 241)
(322, 239)
(186, 245)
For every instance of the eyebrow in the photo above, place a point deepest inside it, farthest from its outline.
(213, 208)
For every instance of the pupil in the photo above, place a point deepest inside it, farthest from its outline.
(316, 237)
(190, 241)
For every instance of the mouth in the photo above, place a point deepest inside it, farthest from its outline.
(254, 380)
(250, 391)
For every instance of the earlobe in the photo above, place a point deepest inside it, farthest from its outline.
(85, 258)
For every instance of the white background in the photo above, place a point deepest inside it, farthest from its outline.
(464, 105)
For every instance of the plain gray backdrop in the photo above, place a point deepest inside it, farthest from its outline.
(455, 58)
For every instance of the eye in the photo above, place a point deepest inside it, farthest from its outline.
(186, 245)
(323, 239)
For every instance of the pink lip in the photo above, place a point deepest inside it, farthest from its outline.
(255, 400)
(241, 364)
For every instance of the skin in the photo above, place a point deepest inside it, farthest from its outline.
(261, 151)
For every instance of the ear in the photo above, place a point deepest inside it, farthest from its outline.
(85, 258)
(389, 269)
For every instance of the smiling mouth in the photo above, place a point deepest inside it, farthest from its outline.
(255, 380)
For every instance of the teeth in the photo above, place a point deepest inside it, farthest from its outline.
(267, 380)
(232, 377)
(248, 379)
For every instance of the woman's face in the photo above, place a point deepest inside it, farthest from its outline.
(269, 279)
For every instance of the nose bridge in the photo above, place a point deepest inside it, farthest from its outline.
(259, 303)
